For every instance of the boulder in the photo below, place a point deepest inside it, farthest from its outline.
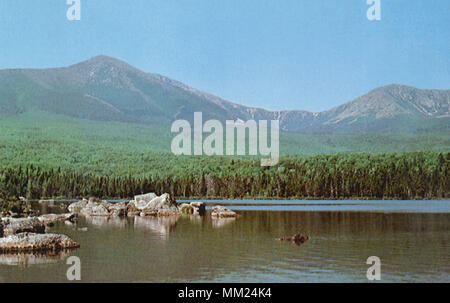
(222, 212)
(163, 206)
(103, 209)
(193, 208)
(186, 209)
(199, 208)
(94, 200)
(87, 209)
(118, 209)
(162, 202)
(77, 206)
(141, 201)
(12, 226)
(31, 242)
(94, 209)
(50, 219)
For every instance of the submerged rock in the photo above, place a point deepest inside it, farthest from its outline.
(50, 219)
(297, 238)
(31, 242)
(193, 208)
(12, 226)
(222, 212)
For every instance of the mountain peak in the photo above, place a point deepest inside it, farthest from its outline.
(104, 58)
(104, 61)
(109, 89)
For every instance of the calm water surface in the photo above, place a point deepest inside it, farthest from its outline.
(411, 238)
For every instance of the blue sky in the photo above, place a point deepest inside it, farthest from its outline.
(277, 54)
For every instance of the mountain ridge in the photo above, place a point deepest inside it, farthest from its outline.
(107, 89)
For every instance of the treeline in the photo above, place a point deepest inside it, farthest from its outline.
(421, 175)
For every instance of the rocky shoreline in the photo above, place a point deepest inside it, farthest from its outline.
(28, 235)
(148, 205)
(31, 242)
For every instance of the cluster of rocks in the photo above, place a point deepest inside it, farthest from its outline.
(96, 208)
(19, 235)
(25, 235)
(31, 242)
(147, 205)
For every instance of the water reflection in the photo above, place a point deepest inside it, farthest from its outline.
(161, 226)
(412, 246)
(222, 222)
(30, 259)
(106, 222)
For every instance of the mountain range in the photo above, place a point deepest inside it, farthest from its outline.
(107, 89)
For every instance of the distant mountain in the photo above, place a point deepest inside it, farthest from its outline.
(107, 89)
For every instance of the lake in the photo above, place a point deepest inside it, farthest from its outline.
(410, 237)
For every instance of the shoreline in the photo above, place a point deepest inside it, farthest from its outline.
(206, 199)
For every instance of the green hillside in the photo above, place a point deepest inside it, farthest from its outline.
(102, 127)
(116, 148)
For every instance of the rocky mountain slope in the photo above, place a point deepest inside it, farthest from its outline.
(107, 89)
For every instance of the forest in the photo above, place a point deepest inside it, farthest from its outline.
(416, 175)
